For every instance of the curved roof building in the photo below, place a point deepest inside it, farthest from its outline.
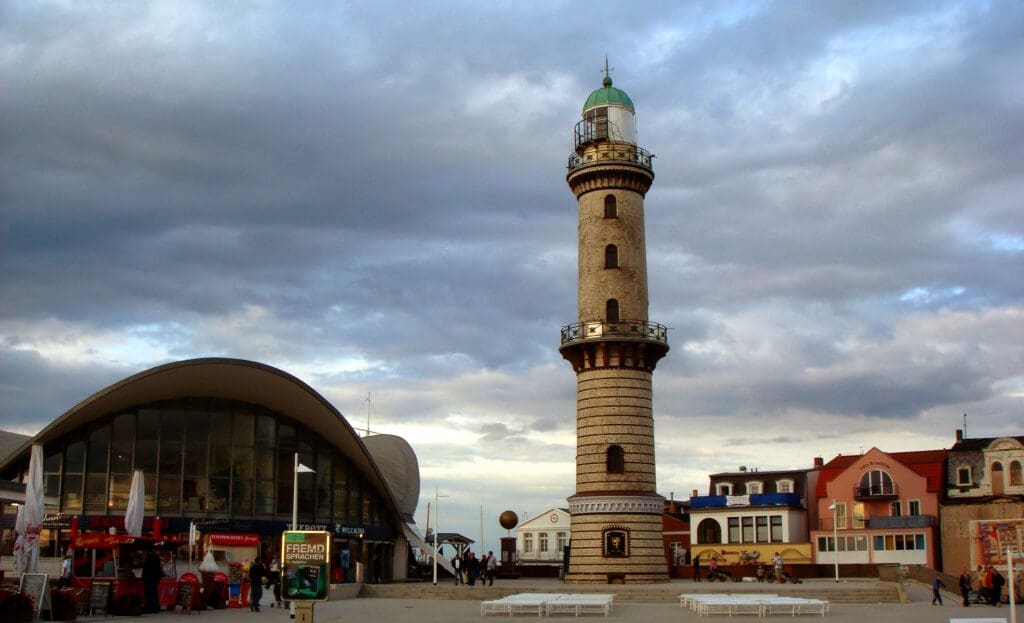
(216, 440)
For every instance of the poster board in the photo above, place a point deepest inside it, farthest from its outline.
(99, 596)
(990, 538)
(36, 586)
(306, 565)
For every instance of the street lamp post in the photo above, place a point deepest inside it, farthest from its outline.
(835, 537)
(299, 467)
(437, 513)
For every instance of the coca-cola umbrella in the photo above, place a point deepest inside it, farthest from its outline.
(136, 501)
(32, 515)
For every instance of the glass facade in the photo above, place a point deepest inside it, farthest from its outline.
(208, 458)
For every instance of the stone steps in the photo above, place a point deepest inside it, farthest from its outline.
(861, 592)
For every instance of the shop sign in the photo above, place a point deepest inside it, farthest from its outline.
(341, 530)
(235, 540)
(306, 558)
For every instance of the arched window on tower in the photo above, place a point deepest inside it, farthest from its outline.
(616, 460)
(611, 310)
(611, 256)
(610, 209)
(997, 478)
(1015, 474)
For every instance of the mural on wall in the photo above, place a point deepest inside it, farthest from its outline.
(990, 539)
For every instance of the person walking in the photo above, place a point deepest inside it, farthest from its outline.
(274, 581)
(492, 567)
(965, 586)
(937, 584)
(255, 584)
(65, 571)
(997, 587)
(457, 565)
(696, 568)
(777, 561)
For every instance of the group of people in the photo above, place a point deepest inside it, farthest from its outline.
(469, 568)
(261, 575)
(989, 586)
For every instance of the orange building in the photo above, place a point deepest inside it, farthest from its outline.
(885, 507)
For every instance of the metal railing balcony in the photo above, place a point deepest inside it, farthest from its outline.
(597, 330)
(876, 492)
(610, 153)
(882, 522)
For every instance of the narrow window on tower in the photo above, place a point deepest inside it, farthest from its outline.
(611, 256)
(610, 209)
(616, 460)
(611, 310)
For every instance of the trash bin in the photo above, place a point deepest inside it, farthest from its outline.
(167, 593)
(189, 583)
(215, 589)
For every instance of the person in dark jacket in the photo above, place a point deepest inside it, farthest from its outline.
(256, 575)
(965, 586)
(152, 571)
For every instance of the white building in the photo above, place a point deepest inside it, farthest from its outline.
(541, 541)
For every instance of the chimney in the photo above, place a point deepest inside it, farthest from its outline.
(959, 434)
(693, 493)
(819, 462)
(743, 468)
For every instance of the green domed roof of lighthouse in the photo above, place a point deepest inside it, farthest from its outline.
(608, 94)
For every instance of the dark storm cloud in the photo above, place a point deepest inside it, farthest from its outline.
(375, 195)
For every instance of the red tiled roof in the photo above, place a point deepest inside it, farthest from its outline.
(927, 463)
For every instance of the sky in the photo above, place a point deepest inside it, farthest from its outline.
(372, 197)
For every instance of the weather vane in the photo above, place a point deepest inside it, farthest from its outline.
(607, 70)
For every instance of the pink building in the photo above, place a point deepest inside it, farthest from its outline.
(885, 507)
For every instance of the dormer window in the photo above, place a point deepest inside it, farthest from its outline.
(784, 486)
(723, 488)
(754, 488)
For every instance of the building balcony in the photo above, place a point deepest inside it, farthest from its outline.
(883, 522)
(876, 492)
(600, 330)
(610, 153)
(791, 500)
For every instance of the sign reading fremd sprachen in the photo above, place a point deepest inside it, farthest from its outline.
(306, 558)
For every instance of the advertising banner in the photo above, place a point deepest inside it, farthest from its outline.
(990, 539)
(306, 566)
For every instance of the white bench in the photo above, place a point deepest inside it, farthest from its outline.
(794, 606)
(580, 603)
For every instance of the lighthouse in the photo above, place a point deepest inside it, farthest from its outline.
(613, 348)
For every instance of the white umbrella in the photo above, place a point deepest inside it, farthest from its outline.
(136, 497)
(34, 511)
(19, 543)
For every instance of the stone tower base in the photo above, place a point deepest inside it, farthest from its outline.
(613, 548)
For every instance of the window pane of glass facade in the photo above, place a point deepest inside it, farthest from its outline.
(193, 494)
(172, 425)
(118, 495)
(72, 493)
(265, 498)
(168, 499)
(324, 488)
(96, 494)
(147, 430)
(99, 447)
(122, 443)
(74, 463)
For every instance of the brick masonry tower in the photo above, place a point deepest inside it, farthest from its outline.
(613, 348)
